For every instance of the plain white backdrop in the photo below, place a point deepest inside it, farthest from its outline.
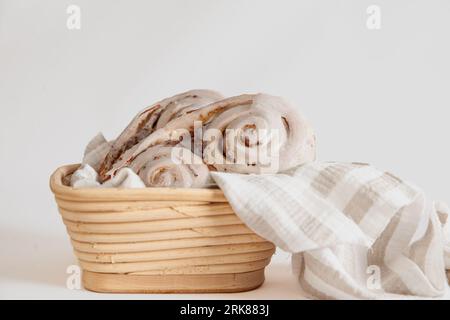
(378, 96)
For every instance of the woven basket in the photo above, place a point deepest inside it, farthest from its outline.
(159, 239)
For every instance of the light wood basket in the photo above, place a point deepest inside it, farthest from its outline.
(159, 239)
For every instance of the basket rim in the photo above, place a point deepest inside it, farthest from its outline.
(121, 194)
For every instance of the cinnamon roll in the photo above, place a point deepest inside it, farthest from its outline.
(152, 118)
(171, 166)
(263, 134)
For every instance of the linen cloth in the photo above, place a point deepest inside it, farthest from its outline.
(86, 177)
(355, 232)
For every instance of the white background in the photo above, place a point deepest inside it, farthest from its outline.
(378, 96)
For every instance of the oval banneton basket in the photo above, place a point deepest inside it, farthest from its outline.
(159, 239)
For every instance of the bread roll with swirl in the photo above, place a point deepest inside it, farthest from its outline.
(155, 117)
(171, 166)
(263, 134)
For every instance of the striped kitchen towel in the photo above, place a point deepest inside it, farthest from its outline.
(355, 232)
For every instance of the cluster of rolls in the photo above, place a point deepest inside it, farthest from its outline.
(178, 141)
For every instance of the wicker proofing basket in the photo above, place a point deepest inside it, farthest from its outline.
(159, 240)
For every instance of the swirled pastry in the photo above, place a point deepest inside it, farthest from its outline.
(263, 134)
(171, 166)
(152, 118)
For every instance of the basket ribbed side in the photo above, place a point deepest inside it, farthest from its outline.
(157, 231)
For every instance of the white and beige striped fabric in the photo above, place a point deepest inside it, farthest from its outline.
(355, 232)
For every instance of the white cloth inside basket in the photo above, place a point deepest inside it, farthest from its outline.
(355, 232)
(87, 177)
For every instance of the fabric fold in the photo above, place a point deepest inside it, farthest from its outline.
(355, 232)
(86, 177)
